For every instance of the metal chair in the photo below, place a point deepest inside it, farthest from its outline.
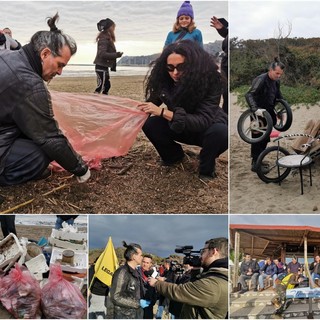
(298, 161)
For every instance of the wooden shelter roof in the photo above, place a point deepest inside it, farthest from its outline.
(266, 240)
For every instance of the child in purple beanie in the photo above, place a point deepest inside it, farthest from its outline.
(184, 28)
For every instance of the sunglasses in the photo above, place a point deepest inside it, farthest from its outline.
(179, 67)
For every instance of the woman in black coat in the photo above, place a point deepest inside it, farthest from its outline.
(186, 79)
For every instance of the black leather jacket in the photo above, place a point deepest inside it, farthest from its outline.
(26, 111)
(126, 292)
(258, 95)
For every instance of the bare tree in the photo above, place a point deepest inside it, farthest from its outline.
(281, 35)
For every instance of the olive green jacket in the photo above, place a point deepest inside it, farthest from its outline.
(204, 298)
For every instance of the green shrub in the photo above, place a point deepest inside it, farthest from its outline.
(294, 95)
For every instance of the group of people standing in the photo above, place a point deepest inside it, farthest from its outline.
(185, 78)
(137, 285)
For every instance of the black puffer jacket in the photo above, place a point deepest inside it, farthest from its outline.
(258, 95)
(26, 111)
(106, 53)
(126, 292)
(206, 113)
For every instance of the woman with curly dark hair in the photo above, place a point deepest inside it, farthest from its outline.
(186, 79)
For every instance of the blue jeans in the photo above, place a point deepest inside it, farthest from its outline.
(159, 312)
(264, 276)
(59, 222)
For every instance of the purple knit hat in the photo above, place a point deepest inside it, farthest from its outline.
(186, 10)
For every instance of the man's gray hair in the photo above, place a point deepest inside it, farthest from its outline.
(54, 39)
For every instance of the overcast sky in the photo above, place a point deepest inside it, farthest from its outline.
(157, 234)
(141, 26)
(260, 19)
(276, 219)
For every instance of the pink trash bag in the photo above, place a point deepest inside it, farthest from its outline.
(20, 293)
(61, 299)
(98, 126)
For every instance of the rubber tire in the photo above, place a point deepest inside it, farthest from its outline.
(265, 135)
(289, 113)
(261, 158)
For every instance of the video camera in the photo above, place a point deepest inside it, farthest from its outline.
(177, 267)
(191, 257)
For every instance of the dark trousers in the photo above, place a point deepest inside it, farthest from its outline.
(25, 161)
(103, 80)
(8, 224)
(213, 141)
(225, 96)
(148, 312)
(257, 148)
(225, 89)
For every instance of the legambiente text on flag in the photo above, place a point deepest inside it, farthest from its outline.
(107, 264)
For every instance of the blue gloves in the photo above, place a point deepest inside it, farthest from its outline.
(144, 303)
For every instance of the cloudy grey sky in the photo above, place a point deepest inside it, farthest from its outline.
(260, 19)
(142, 26)
(157, 234)
(277, 219)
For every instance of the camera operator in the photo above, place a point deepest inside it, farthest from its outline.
(146, 270)
(205, 297)
(189, 273)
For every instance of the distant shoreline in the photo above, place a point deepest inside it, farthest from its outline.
(130, 86)
(119, 65)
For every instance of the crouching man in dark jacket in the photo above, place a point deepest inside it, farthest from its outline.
(205, 297)
(29, 135)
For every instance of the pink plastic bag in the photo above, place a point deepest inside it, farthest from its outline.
(98, 126)
(61, 299)
(20, 294)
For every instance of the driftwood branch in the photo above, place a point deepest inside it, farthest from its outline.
(31, 200)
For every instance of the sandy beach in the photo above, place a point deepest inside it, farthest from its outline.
(248, 194)
(122, 86)
(33, 232)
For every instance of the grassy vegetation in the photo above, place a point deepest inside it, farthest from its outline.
(294, 95)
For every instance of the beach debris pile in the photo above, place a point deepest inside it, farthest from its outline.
(62, 299)
(69, 249)
(44, 279)
(10, 252)
(20, 293)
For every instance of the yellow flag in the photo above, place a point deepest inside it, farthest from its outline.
(107, 264)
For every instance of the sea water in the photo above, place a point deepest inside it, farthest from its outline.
(87, 70)
(46, 220)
